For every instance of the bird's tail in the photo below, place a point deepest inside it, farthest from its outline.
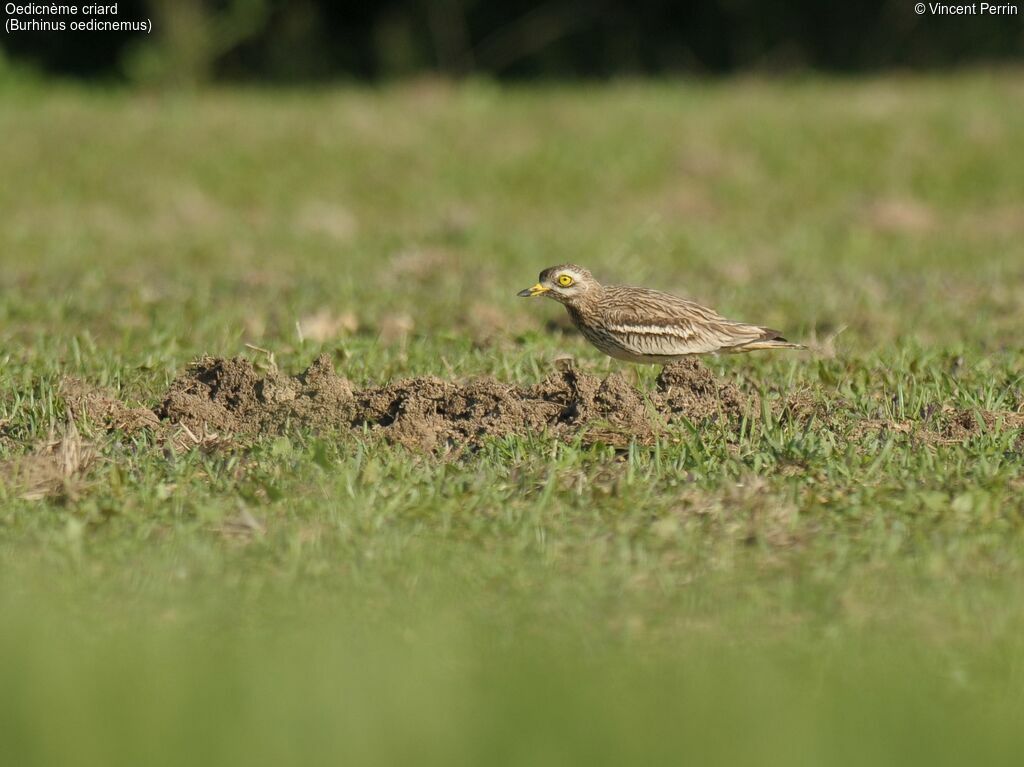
(770, 339)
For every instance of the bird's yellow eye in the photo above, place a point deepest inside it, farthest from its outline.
(564, 280)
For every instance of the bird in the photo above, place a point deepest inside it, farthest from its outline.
(647, 326)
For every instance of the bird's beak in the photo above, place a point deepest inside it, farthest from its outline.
(536, 290)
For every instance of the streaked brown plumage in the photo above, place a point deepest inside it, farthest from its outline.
(643, 325)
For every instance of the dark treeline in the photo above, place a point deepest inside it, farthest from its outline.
(296, 40)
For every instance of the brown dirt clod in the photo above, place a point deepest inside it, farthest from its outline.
(82, 399)
(427, 413)
(689, 388)
(53, 469)
(218, 400)
(230, 396)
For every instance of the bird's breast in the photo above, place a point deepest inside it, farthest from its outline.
(579, 316)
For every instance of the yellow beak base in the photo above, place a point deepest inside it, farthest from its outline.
(536, 290)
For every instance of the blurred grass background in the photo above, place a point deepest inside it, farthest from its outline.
(785, 596)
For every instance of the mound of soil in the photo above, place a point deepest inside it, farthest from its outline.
(229, 396)
(218, 400)
(954, 425)
(688, 388)
(427, 413)
(53, 469)
(83, 399)
(943, 425)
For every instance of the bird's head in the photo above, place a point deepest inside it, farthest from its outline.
(566, 283)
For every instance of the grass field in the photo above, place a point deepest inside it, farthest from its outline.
(841, 589)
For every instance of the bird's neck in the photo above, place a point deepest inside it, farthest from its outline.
(584, 307)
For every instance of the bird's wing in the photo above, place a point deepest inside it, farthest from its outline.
(649, 322)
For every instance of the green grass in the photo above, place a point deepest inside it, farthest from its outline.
(784, 595)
